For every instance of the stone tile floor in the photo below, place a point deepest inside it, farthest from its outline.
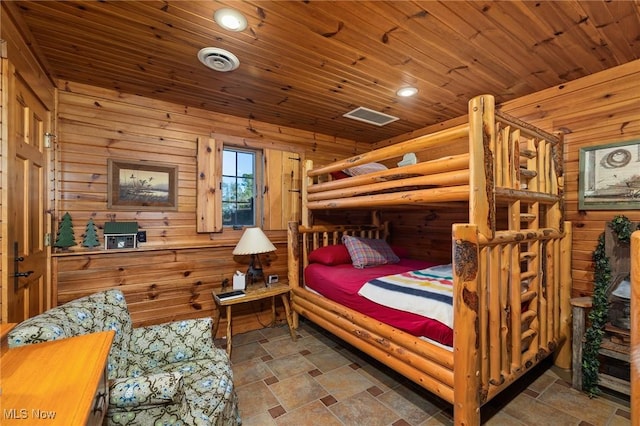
(321, 380)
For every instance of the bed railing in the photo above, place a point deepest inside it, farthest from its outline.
(506, 161)
(320, 236)
(514, 305)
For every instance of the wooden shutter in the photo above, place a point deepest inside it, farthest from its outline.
(282, 201)
(209, 189)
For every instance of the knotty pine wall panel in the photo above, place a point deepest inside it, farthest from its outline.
(426, 233)
(160, 284)
(172, 275)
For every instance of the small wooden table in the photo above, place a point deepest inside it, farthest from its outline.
(254, 292)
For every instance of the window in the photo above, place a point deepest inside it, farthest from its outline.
(242, 184)
(239, 187)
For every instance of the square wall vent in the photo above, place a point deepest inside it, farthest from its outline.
(370, 116)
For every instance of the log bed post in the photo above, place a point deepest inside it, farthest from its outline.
(467, 397)
(481, 164)
(563, 357)
(293, 265)
(307, 182)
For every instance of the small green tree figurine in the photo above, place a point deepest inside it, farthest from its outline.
(90, 235)
(65, 233)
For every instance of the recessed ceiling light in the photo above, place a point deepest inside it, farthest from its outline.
(406, 91)
(230, 19)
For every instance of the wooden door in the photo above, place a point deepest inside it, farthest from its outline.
(27, 289)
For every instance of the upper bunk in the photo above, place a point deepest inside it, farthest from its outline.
(492, 161)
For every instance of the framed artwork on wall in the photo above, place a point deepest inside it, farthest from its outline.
(141, 185)
(610, 177)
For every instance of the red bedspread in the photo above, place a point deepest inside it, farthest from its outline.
(341, 283)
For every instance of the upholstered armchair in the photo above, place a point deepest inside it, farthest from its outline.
(162, 374)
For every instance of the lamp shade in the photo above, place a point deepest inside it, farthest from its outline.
(253, 241)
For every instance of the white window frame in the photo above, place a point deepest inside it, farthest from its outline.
(258, 179)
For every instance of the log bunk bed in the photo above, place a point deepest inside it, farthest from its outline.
(510, 262)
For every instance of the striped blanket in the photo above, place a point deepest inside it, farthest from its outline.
(427, 292)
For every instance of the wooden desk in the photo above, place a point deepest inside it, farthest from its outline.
(4, 331)
(62, 382)
(253, 293)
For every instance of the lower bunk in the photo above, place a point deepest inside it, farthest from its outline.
(500, 330)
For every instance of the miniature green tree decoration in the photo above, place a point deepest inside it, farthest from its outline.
(90, 235)
(65, 233)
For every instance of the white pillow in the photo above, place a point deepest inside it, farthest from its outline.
(364, 169)
(408, 159)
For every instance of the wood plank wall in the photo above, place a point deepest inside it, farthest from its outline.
(172, 275)
(426, 233)
(596, 110)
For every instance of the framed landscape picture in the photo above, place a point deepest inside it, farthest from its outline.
(610, 177)
(141, 185)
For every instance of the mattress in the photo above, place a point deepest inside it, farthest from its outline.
(341, 284)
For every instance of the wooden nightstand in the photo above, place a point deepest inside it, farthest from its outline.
(253, 293)
(62, 382)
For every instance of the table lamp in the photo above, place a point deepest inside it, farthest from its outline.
(254, 242)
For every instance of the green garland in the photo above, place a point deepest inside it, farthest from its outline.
(598, 315)
(621, 225)
(597, 320)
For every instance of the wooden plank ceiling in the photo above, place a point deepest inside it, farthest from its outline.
(303, 64)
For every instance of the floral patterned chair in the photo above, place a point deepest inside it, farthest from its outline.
(162, 374)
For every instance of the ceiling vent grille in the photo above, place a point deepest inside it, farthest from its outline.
(370, 116)
(218, 59)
